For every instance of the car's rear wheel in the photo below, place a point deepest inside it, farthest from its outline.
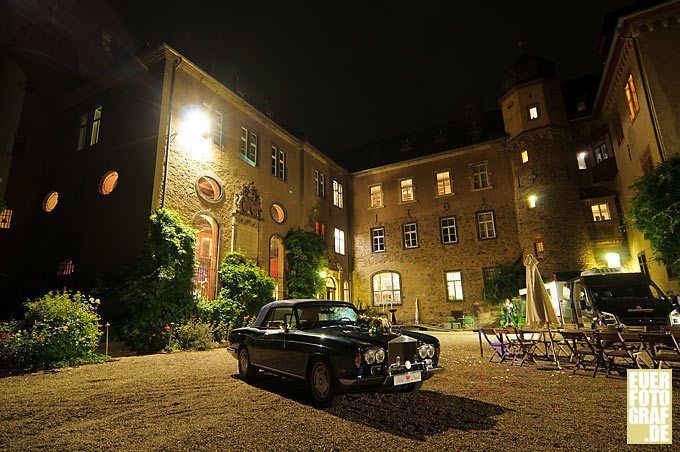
(246, 370)
(322, 384)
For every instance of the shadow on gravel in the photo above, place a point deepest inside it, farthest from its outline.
(415, 416)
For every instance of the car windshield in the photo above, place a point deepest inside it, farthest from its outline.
(639, 291)
(326, 314)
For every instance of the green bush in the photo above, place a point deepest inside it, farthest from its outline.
(506, 283)
(158, 289)
(655, 211)
(222, 315)
(245, 288)
(195, 336)
(306, 257)
(58, 329)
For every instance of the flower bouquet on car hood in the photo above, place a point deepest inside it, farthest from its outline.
(374, 325)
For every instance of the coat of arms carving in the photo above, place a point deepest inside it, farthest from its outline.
(248, 201)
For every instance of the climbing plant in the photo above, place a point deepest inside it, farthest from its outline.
(306, 258)
(506, 282)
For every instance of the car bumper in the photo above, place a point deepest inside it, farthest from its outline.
(380, 382)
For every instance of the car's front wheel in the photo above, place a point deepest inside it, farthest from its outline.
(246, 370)
(322, 384)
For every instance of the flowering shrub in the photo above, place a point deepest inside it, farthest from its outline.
(195, 336)
(375, 325)
(58, 329)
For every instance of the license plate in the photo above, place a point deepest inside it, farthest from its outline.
(408, 377)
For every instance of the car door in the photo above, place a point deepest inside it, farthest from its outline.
(269, 346)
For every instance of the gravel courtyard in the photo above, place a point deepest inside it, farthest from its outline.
(193, 401)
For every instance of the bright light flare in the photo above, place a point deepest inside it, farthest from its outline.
(613, 260)
(532, 201)
(194, 131)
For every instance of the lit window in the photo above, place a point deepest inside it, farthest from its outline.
(532, 201)
(631, 98)
(345, 291)
(320, 184)
(600, 212)
(338, 199)
(206, 255)
(217, 128)
(376, 195)
(581, 159)
(82, 133)
(407, 194)
(613, 260)
(66, 267)
(248, 146)
(533, 112)
(600, 150)
(5, 219)
(278, 163)
(480, 176)
(339, 235)
(50, 201)
(443, 183)
(96, 125)
(277, 213)
(378, 240)
(386, 289)
(539, 248)
(454, 286)
(108, 183)
(410, 235)
(320, 229)
(525, 156)
(209, 189)
(642, 262)
(448, 230)
(486, 225)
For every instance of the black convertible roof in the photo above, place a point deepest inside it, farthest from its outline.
(291, 303)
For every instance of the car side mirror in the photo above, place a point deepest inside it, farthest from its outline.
(284, 327)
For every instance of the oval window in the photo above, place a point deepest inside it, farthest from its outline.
(278, 214)
(50, 202)
(209, 188)
(108, 183)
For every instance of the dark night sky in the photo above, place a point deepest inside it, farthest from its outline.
(348, 73)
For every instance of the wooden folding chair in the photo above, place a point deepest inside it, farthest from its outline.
(526, 347)
(495, 339)
(662, 348)
(582, 348)
(614, 346)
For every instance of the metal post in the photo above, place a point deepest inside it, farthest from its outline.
(106, 347)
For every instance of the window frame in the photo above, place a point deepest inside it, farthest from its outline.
(400, 290)
(538, 111)
(338, 194)
(479, 230)
(642, 262)
(339, 239)
(455, 286)
(214, 114)
(539, 254)
(373, 237)
(415, 232)
(632, 100)
(486, 172)
(450, 183)
(278, 163)
(370, 196)
(401, 190)
(96, 126)
(248, 143)
(455, 229)
(599, 211)
(524, 156)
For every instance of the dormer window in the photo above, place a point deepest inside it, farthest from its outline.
(533, 112)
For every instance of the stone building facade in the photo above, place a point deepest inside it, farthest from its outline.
(415, 223)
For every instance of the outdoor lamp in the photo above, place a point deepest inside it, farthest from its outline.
(532, 201)
(613, 260)
(194, 130)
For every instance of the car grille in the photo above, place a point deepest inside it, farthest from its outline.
(402, 346)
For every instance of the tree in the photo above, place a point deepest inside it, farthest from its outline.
(245, 283)
(158, 289)
(306, 257)
(506, 282)
(655, 211)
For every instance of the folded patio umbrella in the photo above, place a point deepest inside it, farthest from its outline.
(540, 311)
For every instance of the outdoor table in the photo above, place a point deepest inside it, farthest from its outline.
(481, 349)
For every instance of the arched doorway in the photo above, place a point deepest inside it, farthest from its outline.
(276, 264)
(205, 278)
(345, 291)
(331, 288)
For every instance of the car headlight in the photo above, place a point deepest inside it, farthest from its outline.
(674, 317)
(422, 351)
(369, 356)
(430, 350)
(379, 355)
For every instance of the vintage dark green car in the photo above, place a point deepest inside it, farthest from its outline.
(322, 343)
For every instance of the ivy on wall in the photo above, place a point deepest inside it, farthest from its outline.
(306, 257)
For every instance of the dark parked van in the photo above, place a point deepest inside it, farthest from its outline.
(613, 298)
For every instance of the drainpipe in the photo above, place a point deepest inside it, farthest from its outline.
(175, 66)
(648, 94)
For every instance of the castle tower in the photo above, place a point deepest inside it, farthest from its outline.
(550, 217)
